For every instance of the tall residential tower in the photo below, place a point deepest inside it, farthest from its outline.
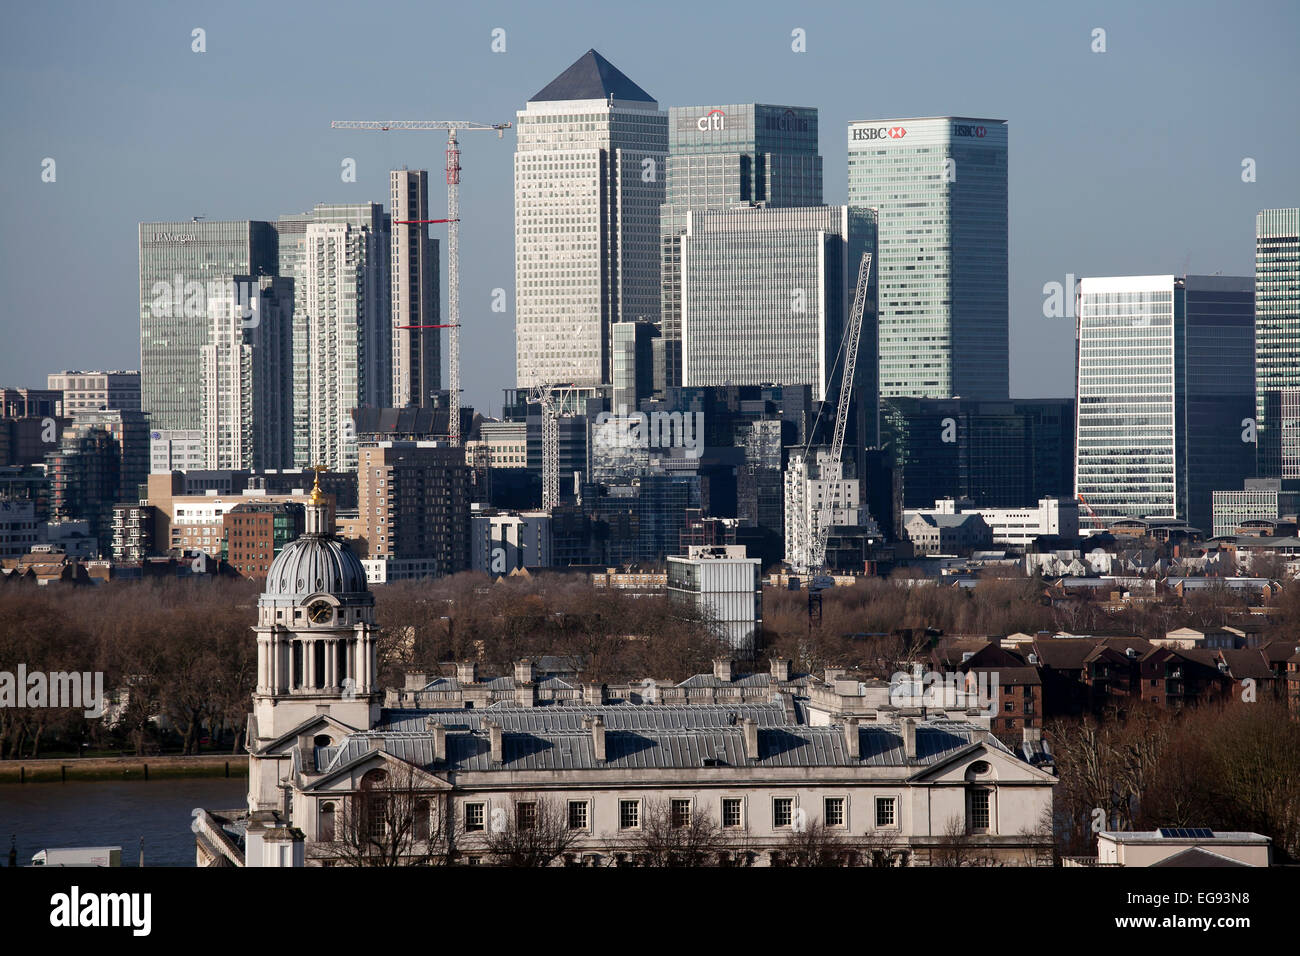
(417, 348)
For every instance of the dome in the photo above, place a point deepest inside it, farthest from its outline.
(316, 564)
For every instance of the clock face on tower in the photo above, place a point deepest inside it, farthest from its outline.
(320, 612)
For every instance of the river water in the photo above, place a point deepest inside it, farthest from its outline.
(113, 813)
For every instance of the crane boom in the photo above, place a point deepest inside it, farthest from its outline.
(853, 334)
(453, 239)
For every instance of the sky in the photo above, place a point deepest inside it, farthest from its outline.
(1122, 162)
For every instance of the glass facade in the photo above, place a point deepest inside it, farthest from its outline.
(1165, 386)
(940, 188)
(178, 262)
(726, 155)
(767, 293)
(1277, 341)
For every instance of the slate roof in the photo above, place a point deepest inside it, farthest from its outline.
(786, 746)
(591, 77)
(569, 717)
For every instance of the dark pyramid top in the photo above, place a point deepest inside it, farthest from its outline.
(592, 77)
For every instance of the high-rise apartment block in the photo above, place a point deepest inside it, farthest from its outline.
(417, 346)
(1166, 368)
(342, 328)
(247, 376)
(589, 181)
(727, 155)
(1277, 341)
(180, 264)
(413, 500)
(940, 187)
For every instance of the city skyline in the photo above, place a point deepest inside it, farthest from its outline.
(1056, 231)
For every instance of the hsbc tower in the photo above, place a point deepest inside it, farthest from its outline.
(939, 185)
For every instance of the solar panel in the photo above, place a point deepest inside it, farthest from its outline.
(1187, 833)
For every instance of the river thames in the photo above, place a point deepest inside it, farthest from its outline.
(113, 813)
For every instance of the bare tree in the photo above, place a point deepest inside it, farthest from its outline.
(674, 833)
(388, 821)
(815, 844)
(537, 834)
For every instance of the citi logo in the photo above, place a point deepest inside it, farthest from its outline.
(879, 132)
(713, 119)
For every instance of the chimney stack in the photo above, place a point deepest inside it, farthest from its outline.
(593, 693)
(439, 733)
(416, 680)
(780, 669)
(722, 669)
(307, 752)
(494, 739)
(751, 737)
(466, 672)
(852, 739)
(378, 745)
(598, 738)
(523, 672)
(909, 738)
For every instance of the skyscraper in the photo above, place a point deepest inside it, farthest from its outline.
(766, 292)
(417, 352)
(342, 326)
(940, 188)
(589, 181)
(178, 260)
(248, 376)
(726, 155)
(1166, 394)
(1277, 341)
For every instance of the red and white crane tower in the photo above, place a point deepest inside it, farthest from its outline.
(453, 243)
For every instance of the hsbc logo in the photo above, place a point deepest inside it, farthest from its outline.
(879, 132)
(976, 131)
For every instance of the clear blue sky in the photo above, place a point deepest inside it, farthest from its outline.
(1123, 162)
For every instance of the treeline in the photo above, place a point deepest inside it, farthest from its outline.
(1229, 767)
(179, 657)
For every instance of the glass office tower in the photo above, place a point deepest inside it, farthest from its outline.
(179, 262)
(1165, 391)
(940, 188)
(725, 155)
(1277, 341)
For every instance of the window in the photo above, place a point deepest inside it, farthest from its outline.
(420, 831)
(979, 810)
(326, 829)
(680, 812)
(475, 817)
(526, 816)
(629, 814)
(782, 811)
(833, 811)
(577, 815)
(885, 811)
(731, 812)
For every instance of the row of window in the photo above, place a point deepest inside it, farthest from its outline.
(785, 814)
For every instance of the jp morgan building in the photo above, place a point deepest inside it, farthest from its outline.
(178, 262)
(939, 185)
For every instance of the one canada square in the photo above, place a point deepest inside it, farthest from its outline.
(589, 181)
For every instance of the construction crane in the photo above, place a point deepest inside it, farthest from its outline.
(1097, 523)
(552, 399)
(453, 239)
(852, 335)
